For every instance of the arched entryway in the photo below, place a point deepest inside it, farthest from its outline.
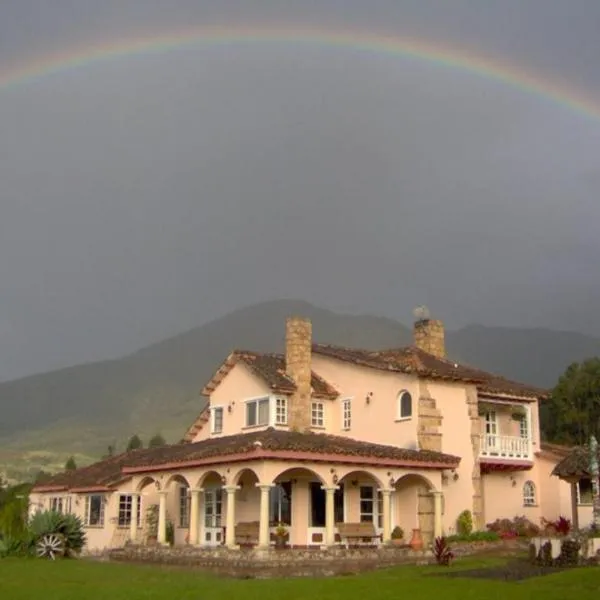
(211, 507)
(414, 507)
(297, 501)
(176, 491)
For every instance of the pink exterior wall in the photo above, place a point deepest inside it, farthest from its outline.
(239, 385)
(451, 400)
(376, 421)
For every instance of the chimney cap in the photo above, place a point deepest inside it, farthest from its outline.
(421, 313)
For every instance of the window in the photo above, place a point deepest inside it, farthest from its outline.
(523, 430)
(529, 494)
(347, 414)
(184, 506)
(61, 504)
(216, 419)
(491, 425)
(584, 491)
(404, 405)
(125, 502)
(367, 504)
(281, 417)
(317, 414)
(280, 503)
(379, 510)
(94, 511)
(257, 412)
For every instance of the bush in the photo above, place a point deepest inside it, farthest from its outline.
(464, 523)
(442, 552)
(68, 528)
(15, 546)
(476, 536)
(517, 527)
(397, 533)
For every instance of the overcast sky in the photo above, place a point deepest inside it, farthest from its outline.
(145, 195)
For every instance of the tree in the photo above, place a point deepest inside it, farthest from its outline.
(70, 465)
(134, 443)
(156, 441)
(572, 413)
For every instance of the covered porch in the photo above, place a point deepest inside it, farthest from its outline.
(277, 502)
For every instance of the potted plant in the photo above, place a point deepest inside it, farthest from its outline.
(280, 536)
(397, 536)
(416, 542)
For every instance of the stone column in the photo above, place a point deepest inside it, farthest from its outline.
(330, 515)
(437, 514)
(162, 517)
(230, 522)
(264, 538)
(194, 505)
(133, 523)
(201, 518)
(386, 517)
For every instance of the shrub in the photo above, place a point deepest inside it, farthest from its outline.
(68, 528)
(562, 526)
(170, 533)
(442, 552)
(464, 523)
(517, 527)
(476, 536)
(397, 533)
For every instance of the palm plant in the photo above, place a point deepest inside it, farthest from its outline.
(56, 534)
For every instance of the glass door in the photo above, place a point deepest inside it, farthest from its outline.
(213, 511)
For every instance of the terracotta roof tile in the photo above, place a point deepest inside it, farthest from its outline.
(576, 465)
(112, 470)
(271, 369)
(415, 361)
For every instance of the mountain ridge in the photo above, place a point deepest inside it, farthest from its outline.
(156, 388)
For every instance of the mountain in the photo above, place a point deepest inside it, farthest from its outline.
(81, 410)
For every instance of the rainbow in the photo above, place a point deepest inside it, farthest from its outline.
(404, 47)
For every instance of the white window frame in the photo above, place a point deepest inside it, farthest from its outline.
(280, 410)
(257, 402)
(317, 414)
(87, 520)
(402, 417)
(60, 504)
(491, 422)
(213, 419)
(523, 427)
(374, 500)
(347, 414)
(124, 510)
(529, 494)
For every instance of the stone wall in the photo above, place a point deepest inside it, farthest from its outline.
(478, 508)
(262, 564)
(298, 350)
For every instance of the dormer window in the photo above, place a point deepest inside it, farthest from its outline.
(404, 405)
(216, 419)
(257, 412)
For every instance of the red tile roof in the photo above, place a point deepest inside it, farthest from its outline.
(271, 369)
(415, 361)
(265, 444)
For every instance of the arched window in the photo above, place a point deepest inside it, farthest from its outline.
(529, 494)
(404, 405)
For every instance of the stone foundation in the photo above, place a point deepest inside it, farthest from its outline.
(295, 562)
(263, 564)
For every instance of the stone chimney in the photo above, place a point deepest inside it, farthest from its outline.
(298, 343)
(429, 336)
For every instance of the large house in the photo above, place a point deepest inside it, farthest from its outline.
(326, 435)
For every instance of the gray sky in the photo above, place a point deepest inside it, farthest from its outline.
(146, 195)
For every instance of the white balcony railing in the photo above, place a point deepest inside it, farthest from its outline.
(505, 446)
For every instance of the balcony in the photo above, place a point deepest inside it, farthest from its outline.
(505, 448)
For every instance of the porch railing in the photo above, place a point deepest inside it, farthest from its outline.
(505, 446)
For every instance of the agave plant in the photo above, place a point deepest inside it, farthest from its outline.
(56, 534)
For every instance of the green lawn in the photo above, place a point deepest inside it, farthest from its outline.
(69, 580)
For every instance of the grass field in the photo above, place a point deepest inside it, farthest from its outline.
(69, 580)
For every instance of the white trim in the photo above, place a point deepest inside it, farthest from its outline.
(256, 399)
(399, 406)
(321, 410)
(212, 418)
(343, 404)
(273, 411)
